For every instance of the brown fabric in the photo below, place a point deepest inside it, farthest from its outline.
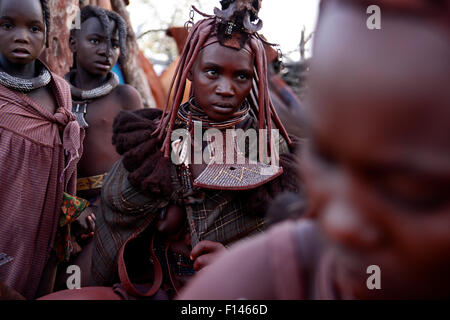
(124, 211)
(39, 152)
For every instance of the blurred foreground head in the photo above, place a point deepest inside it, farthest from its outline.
(378, 165)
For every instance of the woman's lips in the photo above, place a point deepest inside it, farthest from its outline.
(223, 109)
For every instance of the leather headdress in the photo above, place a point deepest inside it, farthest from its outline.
(237, 20)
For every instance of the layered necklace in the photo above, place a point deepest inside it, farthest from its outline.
(81, 98)
(189, 111)
(26, 85)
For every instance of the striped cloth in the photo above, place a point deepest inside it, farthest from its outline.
(39, 152)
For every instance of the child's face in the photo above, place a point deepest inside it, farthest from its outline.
(378, 164)
(222, 79)
(22, 30)
(89, 45)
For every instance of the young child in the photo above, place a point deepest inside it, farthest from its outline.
(377, 169)
(96, 93)
(97, 99)
(40, 145)
(186, 214)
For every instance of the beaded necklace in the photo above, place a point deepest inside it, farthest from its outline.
(26, 85)
(81, 98)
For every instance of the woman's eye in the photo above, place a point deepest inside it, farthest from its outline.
(243, 77)
(94, 41)
(211, 73)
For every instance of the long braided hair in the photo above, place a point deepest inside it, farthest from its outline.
(46, 13)
(258, 99)
(105, 17)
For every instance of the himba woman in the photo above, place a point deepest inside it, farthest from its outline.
(186, 213)
(377, 169)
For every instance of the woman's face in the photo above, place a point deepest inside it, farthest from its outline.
(377, 167)
(222, 79)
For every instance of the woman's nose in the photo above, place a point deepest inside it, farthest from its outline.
(225, 88)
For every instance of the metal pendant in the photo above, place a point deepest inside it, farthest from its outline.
(4, 258)
(79, 110)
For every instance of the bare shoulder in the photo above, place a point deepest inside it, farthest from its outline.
(129, 97)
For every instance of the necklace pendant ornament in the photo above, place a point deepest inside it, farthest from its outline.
(80, 110)
(4, 258)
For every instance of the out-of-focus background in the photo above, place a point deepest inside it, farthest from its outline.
(284, 21)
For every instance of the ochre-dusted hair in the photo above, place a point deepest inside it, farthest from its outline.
(258, 99)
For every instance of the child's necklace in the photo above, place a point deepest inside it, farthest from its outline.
(26, 85)
(81, 98)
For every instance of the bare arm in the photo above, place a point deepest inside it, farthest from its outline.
(242, 272)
